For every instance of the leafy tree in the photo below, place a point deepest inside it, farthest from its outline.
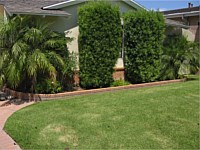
(99, 43)
(144, 34)
(179, 57)
(29, 50)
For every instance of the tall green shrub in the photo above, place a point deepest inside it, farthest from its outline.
(99, 43)
(144, 33)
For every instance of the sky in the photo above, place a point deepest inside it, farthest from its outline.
(163, 5)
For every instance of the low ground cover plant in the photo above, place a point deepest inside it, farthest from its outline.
(120, 82)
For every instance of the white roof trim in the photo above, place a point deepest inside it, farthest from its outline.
(6, 10)
(130, 2)
(64, 4)
(72, 2)
(192, 13)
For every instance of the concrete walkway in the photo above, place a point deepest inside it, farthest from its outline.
(6, 142)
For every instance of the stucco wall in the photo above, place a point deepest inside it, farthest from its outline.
(72, 24)
(62, 24)
(193, 31)
(1, 10)
(188, 34)
(1, 14)
(122, 6)
(73, 33)
(194, 27)
(73, 19)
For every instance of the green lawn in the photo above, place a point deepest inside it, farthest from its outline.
(162, 117)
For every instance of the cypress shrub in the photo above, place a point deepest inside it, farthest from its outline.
(99, 43)
(144, 34)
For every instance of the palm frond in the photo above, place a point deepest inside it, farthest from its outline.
(34, 36)
(27, 46)
(13, 74)
(4, 55)
(2, 79)
(18, 49)
(31, 66)
(56, 60)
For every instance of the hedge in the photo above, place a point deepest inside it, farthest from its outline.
(144, 33)
(99, 43)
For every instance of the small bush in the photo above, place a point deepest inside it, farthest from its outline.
(48, 86)
(67, 80)
(180, 57)
(144, 33)
(99, 43)
(119, 83)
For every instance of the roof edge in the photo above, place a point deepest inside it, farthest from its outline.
(183, 13)
(173, 23)
(132, 2)
(39, 14)
(73, 2)
(6, 10)
(63, 4)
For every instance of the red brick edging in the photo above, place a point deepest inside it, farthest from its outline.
(39, 97)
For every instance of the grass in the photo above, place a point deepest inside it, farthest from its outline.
(161, 117)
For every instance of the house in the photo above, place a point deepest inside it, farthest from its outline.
(189, 17)
(64, 16)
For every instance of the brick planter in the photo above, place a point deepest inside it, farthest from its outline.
(40, 97)
(117, 75)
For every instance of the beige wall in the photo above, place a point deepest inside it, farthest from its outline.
(194, 27)
(1, 14)
(193, 31)
(73, 33)
(73, 45)
(188, 34)
(1, 10)
(180, 31)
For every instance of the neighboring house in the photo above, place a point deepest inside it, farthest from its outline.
(189, 17)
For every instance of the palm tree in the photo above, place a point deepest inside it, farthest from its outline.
(29, 50)
(179, 57)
